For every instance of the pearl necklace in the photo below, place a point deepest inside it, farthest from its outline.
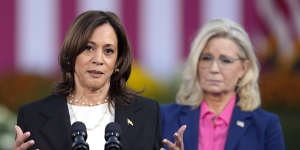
(75, 101)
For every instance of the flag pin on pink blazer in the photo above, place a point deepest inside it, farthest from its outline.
(129, 122)
(240, 123)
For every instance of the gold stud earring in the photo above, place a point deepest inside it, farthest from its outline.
(116, 70)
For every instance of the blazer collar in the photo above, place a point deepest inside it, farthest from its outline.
(57, 126)
(190, 117)
(239, 123)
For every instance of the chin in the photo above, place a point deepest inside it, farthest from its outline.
(213, 90)
(94, 85)
(218, 91)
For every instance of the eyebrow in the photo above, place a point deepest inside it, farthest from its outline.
(106, 45)
(221, 55)
(206, 53)
(91, 42)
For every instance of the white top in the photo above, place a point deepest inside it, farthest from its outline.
(95, 119)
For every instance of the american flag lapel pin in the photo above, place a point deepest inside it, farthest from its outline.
(240, 123)
(129, 122)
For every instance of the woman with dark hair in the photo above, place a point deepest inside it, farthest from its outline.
(95, 61)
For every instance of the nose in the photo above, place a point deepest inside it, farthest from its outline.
(215, 67)
(97, 58)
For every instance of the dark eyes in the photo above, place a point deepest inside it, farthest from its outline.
(89, 48)
(226, 60)
(222, 59)
(108, 51)
(206, 58)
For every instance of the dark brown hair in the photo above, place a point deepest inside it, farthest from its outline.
(75, 42)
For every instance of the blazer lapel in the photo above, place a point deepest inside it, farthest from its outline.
(125, 116)
(190, 117)
(238, 125)
(57, 127)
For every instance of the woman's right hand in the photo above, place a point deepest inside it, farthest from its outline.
(178, 144)
(20, 138)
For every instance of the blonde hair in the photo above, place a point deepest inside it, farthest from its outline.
(190, 92)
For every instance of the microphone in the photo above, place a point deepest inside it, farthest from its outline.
(112, 136)
(79, 136)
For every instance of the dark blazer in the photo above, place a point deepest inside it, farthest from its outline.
(48, 121)
(261, 130)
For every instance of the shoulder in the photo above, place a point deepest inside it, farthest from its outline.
(173, 112)
(264, 116)
(266, 120)
(140, 104)
(42, 104)
(173, 106)
(270, 125)
(144, 101)
(174, 109)
(29, 115)
(261, 118)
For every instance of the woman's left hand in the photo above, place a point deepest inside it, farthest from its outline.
(178, 145)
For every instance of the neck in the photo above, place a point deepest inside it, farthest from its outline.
(92, 95)
(216, 102)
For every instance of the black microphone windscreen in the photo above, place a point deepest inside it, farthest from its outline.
(78, 126)
(112, 136)
(79, 136)
(113, 127)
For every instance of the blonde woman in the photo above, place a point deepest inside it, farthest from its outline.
(219, 97)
